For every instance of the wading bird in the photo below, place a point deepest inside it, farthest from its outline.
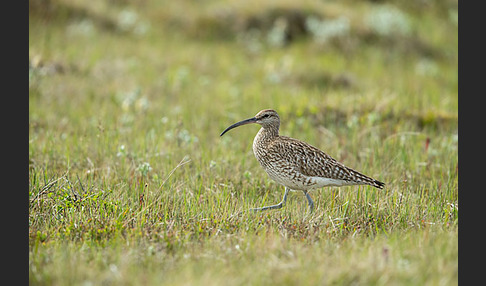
(295, 164)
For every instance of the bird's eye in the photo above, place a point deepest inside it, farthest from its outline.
(265, 116)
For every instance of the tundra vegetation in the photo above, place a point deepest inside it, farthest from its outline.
(130, 183)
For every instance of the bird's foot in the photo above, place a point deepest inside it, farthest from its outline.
(277, 206)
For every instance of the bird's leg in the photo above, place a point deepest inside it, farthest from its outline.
(277, 206)
(309, 200)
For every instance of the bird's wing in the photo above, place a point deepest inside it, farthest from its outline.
(312, 162)
(308, 160)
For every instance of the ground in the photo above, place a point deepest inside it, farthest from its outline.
(130, 183)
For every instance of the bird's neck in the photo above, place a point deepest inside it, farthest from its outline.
(267, 133)
(262, 141)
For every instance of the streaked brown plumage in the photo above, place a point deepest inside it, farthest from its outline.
(296, 164)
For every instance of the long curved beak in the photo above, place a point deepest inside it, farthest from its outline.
(244, 122)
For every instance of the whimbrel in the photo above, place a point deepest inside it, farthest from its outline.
(295, 164)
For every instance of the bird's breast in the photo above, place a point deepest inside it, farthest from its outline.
(280, 169)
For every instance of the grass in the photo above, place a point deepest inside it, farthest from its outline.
(130, 183)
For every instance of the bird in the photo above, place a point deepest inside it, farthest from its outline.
(295, 164)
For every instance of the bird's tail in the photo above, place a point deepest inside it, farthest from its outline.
(365, 180)
(377, 184)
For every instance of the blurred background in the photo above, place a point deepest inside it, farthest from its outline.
(249, 53)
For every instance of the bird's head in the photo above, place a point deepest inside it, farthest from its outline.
(267, 118)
